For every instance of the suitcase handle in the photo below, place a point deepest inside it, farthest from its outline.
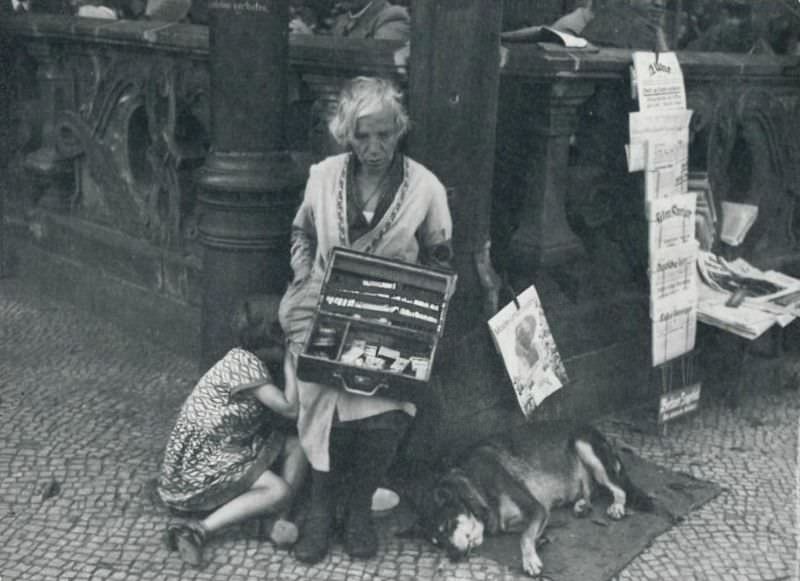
(356, 378)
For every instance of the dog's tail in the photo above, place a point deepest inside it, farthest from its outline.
(635, 497)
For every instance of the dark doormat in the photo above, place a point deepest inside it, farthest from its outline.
(596, 548)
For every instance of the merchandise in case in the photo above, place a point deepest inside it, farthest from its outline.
(377, 326)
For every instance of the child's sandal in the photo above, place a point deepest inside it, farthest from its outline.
(169, 539)
(188, 538)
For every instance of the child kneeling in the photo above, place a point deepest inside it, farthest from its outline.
(230, 455)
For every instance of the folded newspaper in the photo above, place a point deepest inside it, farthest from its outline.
(545, 34)
(768, 297)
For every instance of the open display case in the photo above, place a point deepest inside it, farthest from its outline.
(377, 326)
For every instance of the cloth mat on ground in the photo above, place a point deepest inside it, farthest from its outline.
(596, 548)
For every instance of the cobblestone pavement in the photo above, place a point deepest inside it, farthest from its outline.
(85, 410)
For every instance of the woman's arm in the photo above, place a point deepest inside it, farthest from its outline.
(301, 258)
(303, 238)
(436, 231)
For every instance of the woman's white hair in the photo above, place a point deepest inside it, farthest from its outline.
(363, 96)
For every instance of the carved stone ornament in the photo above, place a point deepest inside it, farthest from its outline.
(139, 123)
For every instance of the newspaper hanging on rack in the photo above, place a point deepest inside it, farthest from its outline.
(659, 146)
(659, 131)
(522, 337)
(674, 329)
(671, 223)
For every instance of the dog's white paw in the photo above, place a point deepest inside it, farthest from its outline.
(531, 562)
(582, 507)
(616, 511)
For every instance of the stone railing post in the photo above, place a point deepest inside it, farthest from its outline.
(50, 171)
(250, 183)
(544, 237)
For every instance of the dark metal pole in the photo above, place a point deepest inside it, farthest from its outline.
(249, 183)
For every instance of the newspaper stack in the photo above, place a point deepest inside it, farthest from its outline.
(659, 146)
(766, 298)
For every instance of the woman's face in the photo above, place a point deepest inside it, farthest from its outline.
(375, 140)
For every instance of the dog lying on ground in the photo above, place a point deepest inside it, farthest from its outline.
(512, 485)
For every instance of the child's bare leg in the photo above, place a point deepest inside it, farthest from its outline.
(295, 466)
(283, 532)
(269, 494)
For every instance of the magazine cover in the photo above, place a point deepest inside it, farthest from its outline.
(523, 339)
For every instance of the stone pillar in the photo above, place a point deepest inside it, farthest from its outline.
(6, 48)
(250, 183)
(544, 237)
(454, 76)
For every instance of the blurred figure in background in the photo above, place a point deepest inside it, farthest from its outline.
(635, 24)
(378, 19)
(303, 17)
(574, 22)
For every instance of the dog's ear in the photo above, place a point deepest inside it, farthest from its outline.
(473, 497)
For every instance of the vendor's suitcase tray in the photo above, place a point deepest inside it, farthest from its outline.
(377, 326)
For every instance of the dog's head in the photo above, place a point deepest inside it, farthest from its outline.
(458, 513)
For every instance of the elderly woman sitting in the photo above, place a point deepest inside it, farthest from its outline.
(376, 200)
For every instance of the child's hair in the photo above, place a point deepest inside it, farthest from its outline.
(255, 322)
